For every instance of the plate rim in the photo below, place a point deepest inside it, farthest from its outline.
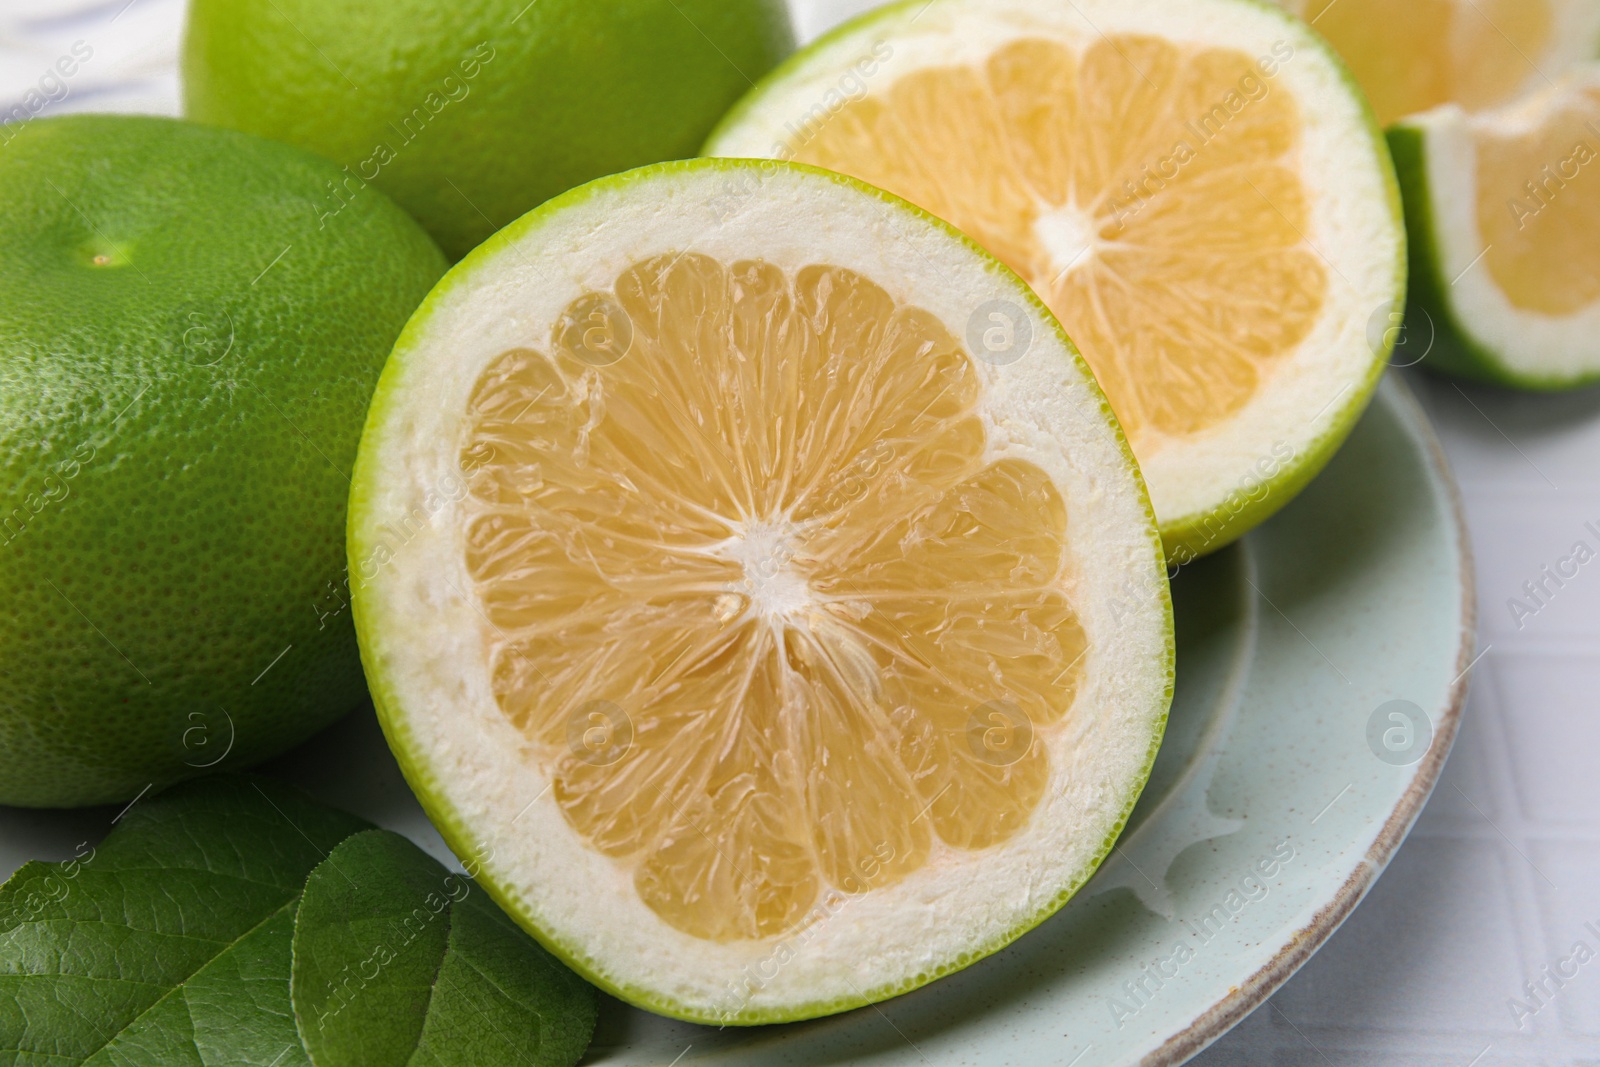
(1241, 1000)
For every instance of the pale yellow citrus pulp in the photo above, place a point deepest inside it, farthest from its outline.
(1413, 55)
(1538, 191)
(751, 586)
(1149, 192)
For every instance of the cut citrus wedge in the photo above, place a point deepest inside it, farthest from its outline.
(1504, 211)
(1193, 187)
(770, 651)
(1418, 54)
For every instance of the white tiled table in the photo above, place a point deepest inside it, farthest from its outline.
(1503, 871)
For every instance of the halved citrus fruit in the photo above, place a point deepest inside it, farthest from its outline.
(1504, 211)
(1193, 186)
(1416, 55)
(772, 652)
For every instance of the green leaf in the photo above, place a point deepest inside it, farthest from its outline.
(169, 944)
(495, 979)
(234, 1011)
(400, 963)
(372, 929)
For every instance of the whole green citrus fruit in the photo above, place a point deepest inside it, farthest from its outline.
(186, 356)
(472, 112)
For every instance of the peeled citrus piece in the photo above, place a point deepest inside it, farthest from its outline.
(1416, 55)
(1504, 208)
(1193, 188)
(732, 610)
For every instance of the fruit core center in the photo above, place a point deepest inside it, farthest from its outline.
(773, 587)
(1069, 236)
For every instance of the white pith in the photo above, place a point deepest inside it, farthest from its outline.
(1070, 234)
(1355, 228)
(1524, 342)
(423, 632)
(774, 589)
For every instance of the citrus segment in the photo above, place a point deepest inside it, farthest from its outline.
(1194, 190)
(1507, 222)
(1476, 53)
(1540, 225)
(762, 598)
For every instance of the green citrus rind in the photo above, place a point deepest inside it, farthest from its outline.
(413, 761)
(187, 358)
(471, 113)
